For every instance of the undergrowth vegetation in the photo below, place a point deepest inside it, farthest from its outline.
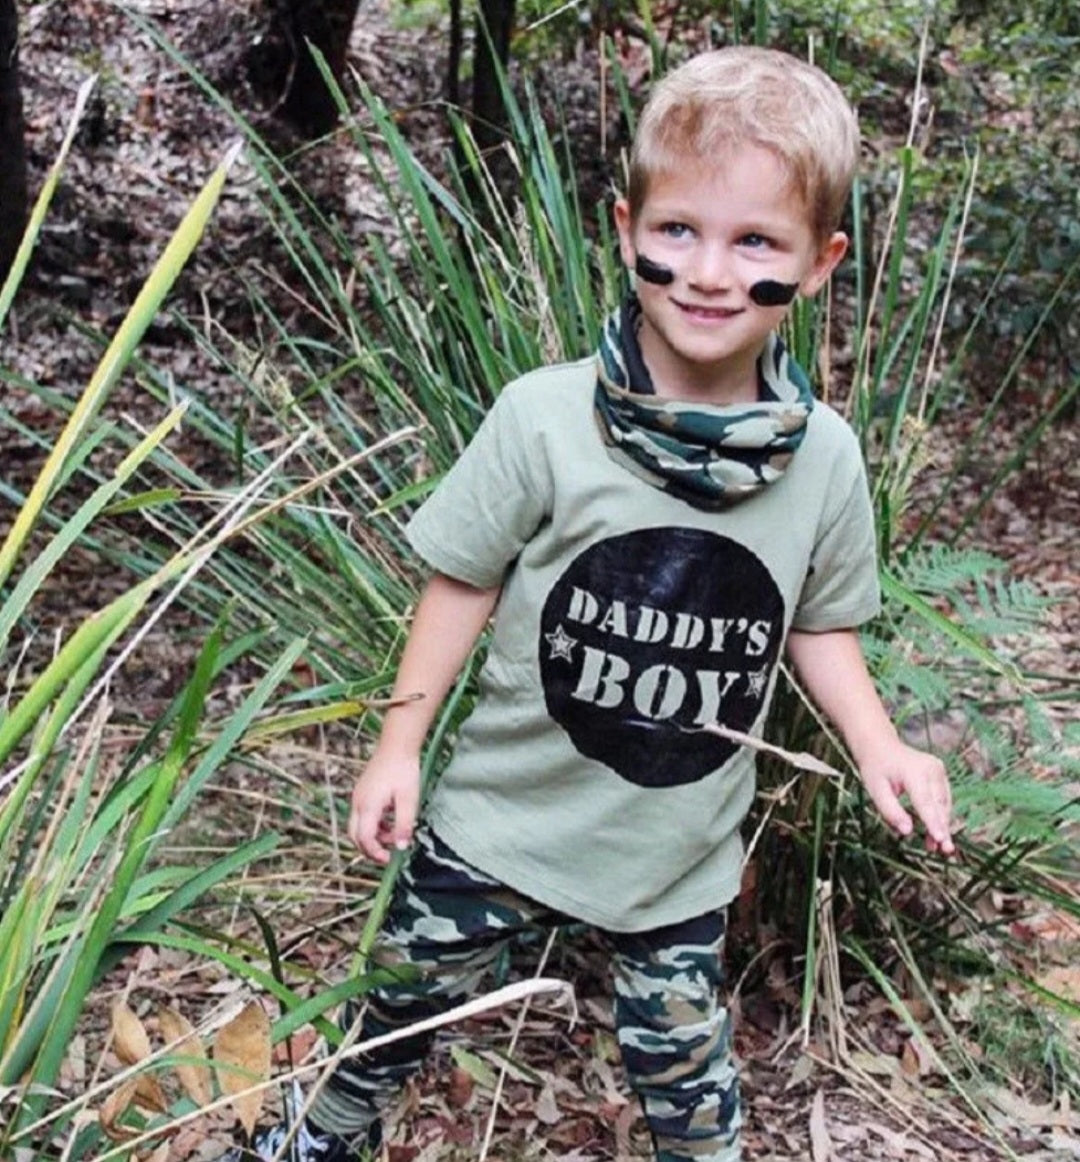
(289, 554)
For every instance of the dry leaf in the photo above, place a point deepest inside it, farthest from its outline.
(801, 1071)
(150, 1095)
(474, 1066)
(1065, 1114)
(506, 1065)
(918, 1009)
(114, 1108)
(547, 1108)
(820, 1142)
(73, 1067)
(916, 1059)
(131, 1042)
(460, 1088)
(182, 1040)
(623, 1124)
(845, 1134)
(160, 1153)
(146, 960)
(1064, 981)
(188, 1139)
(1018, 1110)
(900, 1145)
(876, 1064)
(598, 1067)
(245, 1043)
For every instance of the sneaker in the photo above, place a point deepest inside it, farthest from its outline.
(309, 1144)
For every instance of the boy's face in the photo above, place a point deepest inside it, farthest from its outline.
(720, 228)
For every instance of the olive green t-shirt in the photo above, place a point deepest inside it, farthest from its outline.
(628, 619)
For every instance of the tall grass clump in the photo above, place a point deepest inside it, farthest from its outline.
(405, 338)
(87, 806)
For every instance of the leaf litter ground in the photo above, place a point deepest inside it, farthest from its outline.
(148, 144)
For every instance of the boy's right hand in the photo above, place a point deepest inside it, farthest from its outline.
(384, 805)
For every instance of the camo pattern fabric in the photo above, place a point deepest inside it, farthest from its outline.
(450, 921)
(710, 455)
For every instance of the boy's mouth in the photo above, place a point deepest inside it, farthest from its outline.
(708, 314)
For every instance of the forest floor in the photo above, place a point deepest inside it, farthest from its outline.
(857, 1086)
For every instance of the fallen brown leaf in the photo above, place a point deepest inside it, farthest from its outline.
(623, 1123)
(547, 1108)
(909, 1060)
(899, 1145)
(181, 1038)
(131, 1042)
(460, 1088)
(113, 1109)
(801, 1071)
(820, 1143)
(150, 1095)
(243, 1047)
(915, 1058)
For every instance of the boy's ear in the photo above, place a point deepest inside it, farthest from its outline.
(832, 251)
(625, 227)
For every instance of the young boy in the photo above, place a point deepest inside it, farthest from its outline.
(650, 527)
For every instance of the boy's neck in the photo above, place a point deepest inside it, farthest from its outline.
(733, 381)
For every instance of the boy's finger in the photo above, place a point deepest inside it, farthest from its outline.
(946, 847)
(931, 807)
(889, 806)
(352, 828)
(374, 850)
(406, 804)
(363, 830)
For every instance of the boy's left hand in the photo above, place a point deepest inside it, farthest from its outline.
(899, 770)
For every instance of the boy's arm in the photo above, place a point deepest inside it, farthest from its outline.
(449, 618)
(832, 668)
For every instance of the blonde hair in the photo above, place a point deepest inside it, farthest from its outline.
(734, 96)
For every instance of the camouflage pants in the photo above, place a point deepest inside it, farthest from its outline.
(450, 920)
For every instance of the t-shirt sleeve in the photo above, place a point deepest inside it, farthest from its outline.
(490, 503)
(841, 589)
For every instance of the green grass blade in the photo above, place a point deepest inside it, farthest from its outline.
(15, 604)
(895, 589)
(91, 639)
(184, 896)
(116, 357)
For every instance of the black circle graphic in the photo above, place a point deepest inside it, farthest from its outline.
(649, 635)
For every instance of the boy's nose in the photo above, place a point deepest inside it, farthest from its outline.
(711, 269)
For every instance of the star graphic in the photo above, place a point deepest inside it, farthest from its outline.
(756, 681)
(561, 645)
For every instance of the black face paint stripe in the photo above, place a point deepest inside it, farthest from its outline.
(653, 272)
(769, 293)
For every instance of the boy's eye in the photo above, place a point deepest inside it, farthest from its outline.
(754, 240)
(675, 229)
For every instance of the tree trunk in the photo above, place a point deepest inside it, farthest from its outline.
(453, 56)
(12, 144)
(283, 66)
(491, 52)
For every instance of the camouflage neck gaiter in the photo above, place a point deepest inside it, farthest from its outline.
(711, 456)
